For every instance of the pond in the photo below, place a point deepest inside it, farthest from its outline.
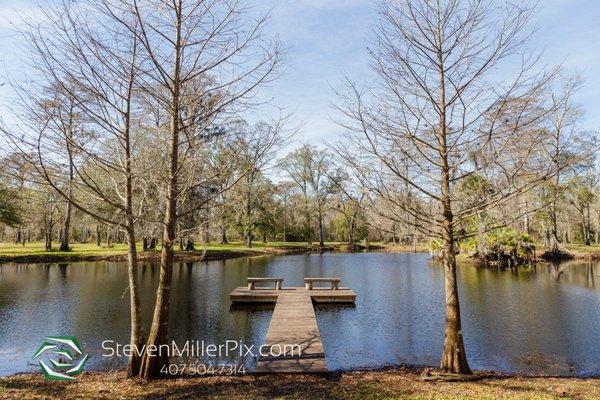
(544, 320)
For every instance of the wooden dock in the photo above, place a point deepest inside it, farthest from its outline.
(293, 339)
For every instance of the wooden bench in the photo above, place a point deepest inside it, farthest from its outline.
(252, 282)
(335, 282)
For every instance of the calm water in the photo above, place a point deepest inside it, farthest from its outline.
(545, 320)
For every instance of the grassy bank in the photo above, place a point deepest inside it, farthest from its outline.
(393, 384)
(35, 252)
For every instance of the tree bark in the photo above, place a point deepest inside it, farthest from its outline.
(586, 226)
(321, 242)
(136, 332)
(190, 245)
(224, 235)
(454, 357)
(553, 237)
(151, 366)
(64, 244)
(48, 239)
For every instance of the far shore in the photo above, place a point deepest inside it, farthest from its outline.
(397, 383)
(35, 253)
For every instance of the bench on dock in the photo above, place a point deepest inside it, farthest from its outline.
(252, 283)
(309, 282)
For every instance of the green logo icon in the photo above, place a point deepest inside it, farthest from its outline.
(65, 358)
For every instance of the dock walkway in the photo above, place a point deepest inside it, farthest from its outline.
(293, 339)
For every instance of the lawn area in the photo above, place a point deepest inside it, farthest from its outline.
(93, 249)
(580, 248)
(11, 249)
(394, 384)
(35, 252)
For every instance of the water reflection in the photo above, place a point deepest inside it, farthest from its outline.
(545, 319)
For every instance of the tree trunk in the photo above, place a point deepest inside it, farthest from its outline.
(48, 239)
(454, 357)
(145, 243)
(321, 242)
(151, 366)
(553, 242)
(136, 334)
(206, 230)
(64, 244)
(307, 215)
(249, 239)
(190, 245)
(586, 226)
(480, 237)
(224, 234)
(284, 221)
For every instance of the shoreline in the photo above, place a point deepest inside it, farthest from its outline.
(208, 254)
(393, 382)
(238, 251)
(195, 255)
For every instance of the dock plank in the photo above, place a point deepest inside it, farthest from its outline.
(293, 323)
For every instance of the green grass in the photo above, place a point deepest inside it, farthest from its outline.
(36, 248)
(91, 249)
(580, 248)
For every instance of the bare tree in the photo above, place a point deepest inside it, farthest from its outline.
(442, 110)
(312, 171)
(567, 146)
(89, 66)
(183, 41)
(283, 192)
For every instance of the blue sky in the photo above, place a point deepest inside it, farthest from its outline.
(327, 39)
